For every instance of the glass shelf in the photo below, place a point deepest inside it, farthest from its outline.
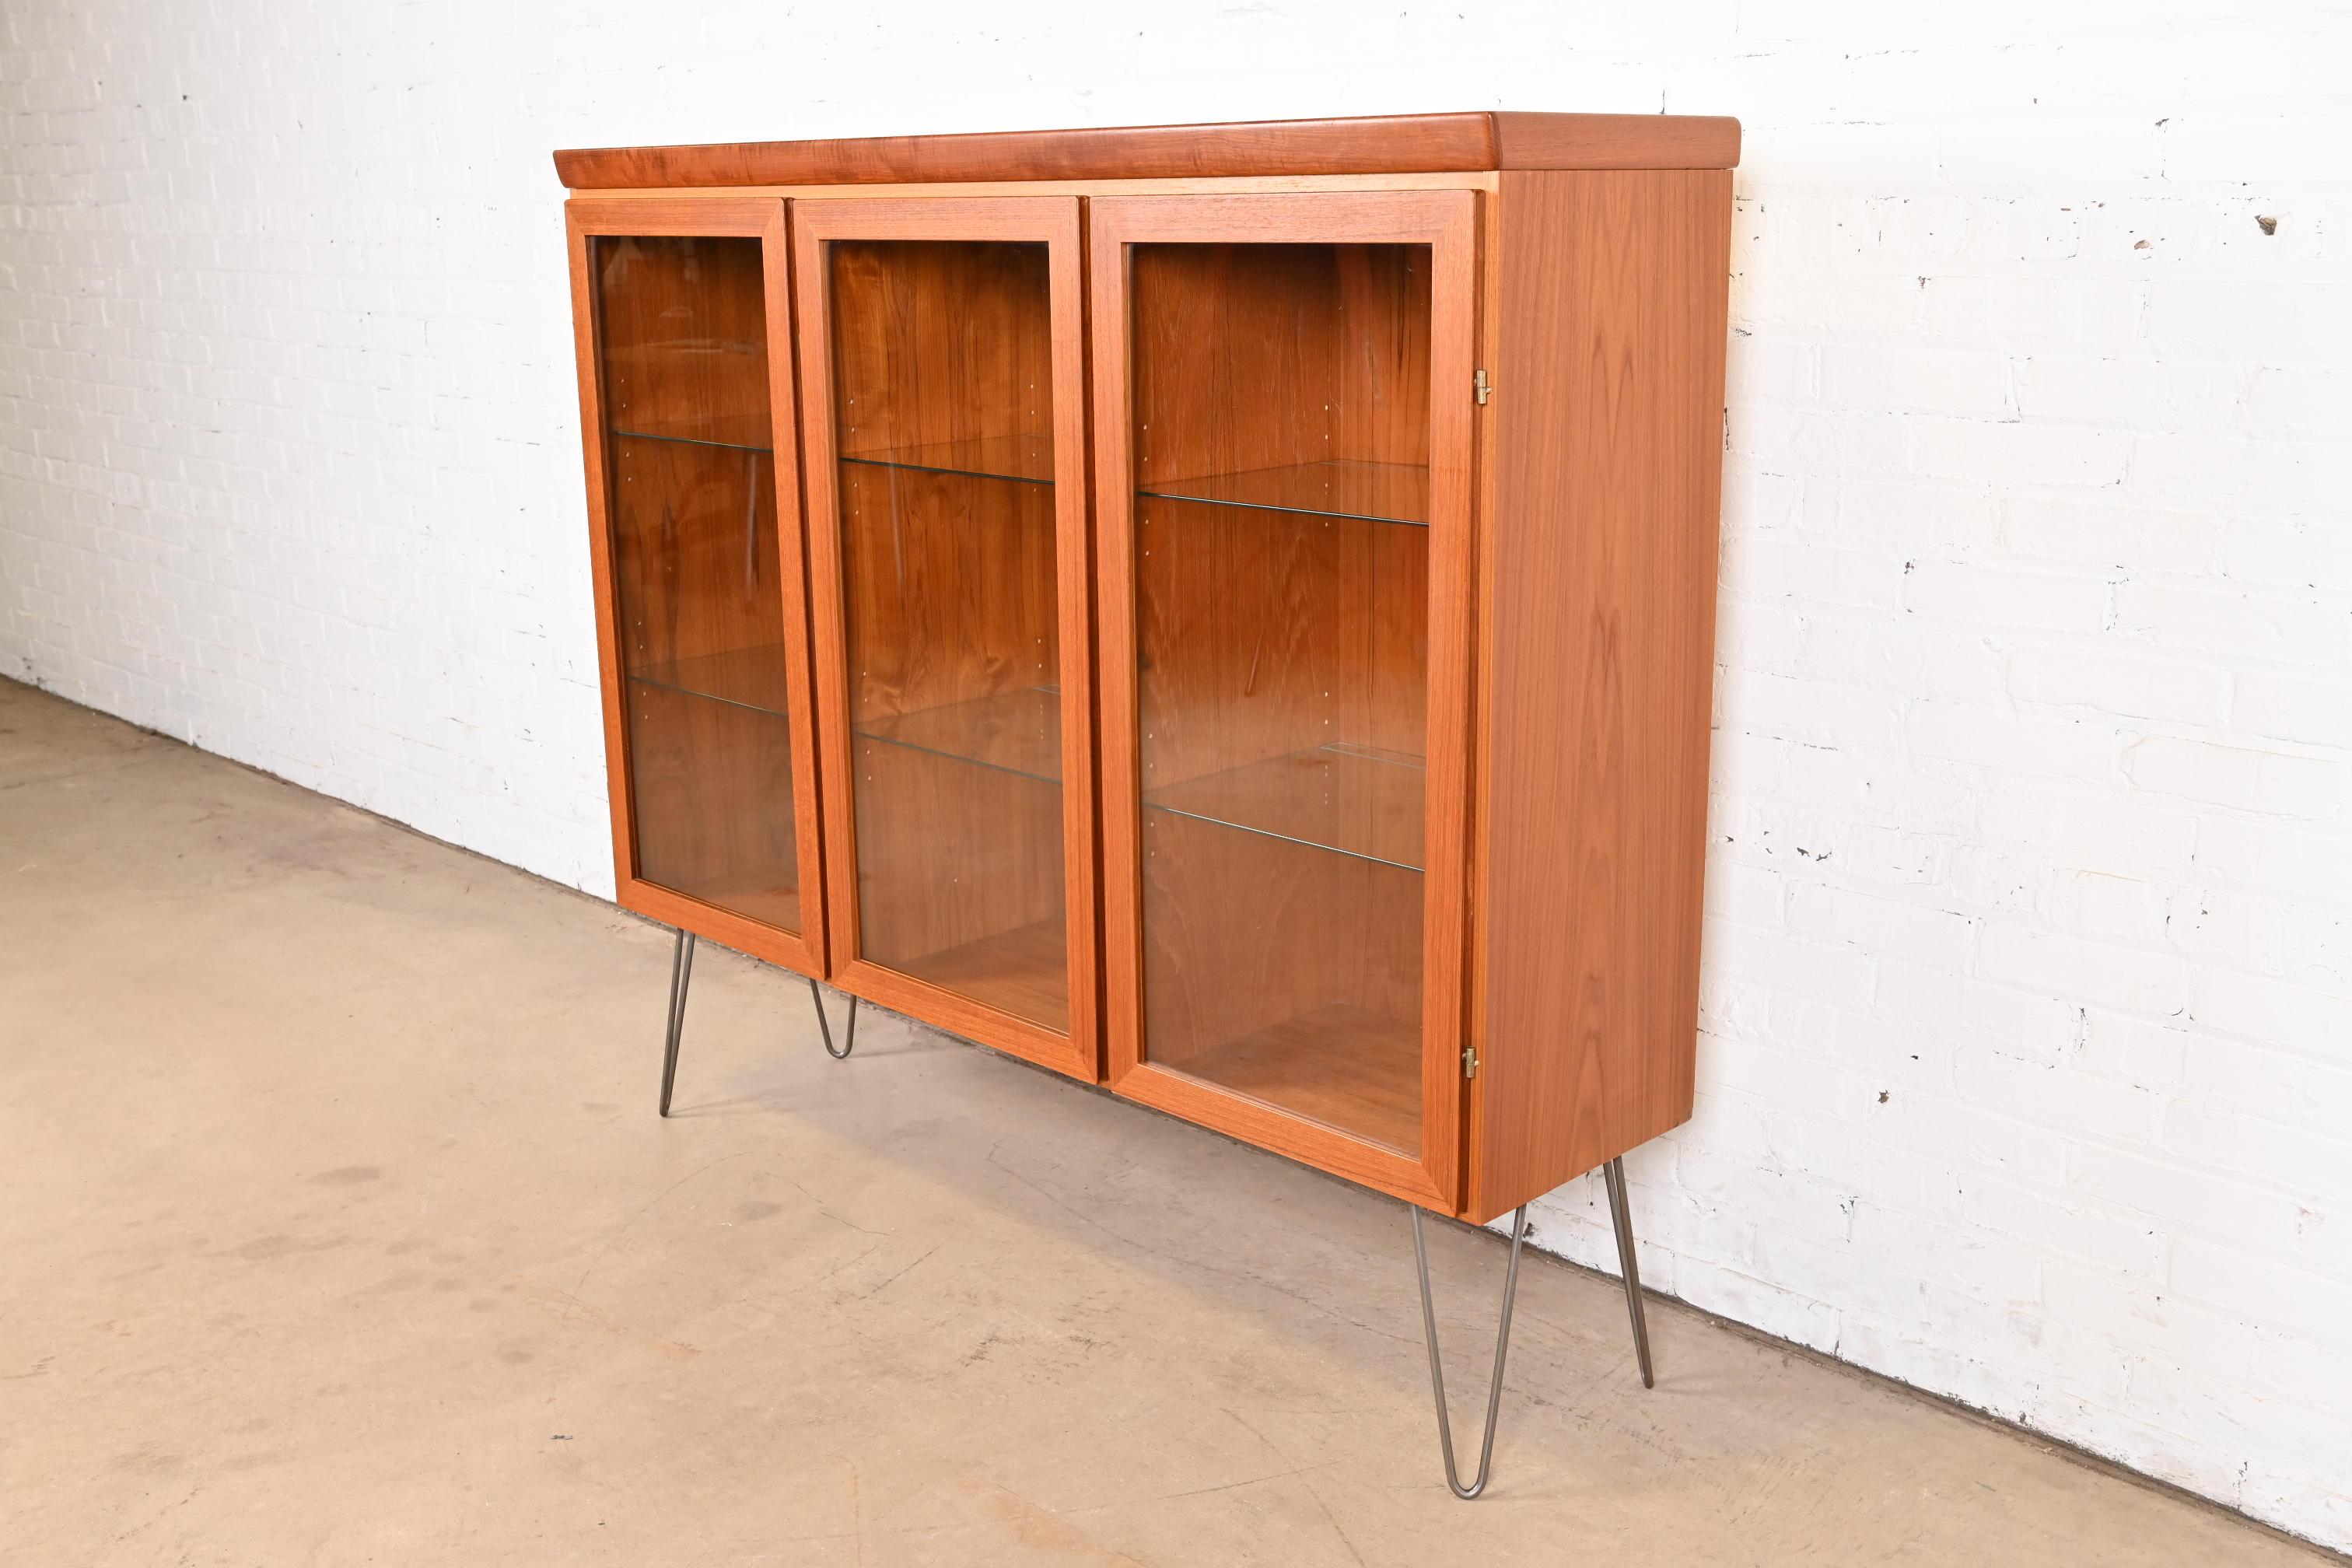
(1376, 492)
(1013, 731)
(753, 678)
(740, 433)
(1351, 800)
(1024, 459)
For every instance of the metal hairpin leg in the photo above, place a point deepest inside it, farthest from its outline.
(1621, 1218)
(848, 1036)
(681, 971)
(681, 976)
(1437, 1369)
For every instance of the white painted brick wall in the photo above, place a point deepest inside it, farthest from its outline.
(2024, 1072)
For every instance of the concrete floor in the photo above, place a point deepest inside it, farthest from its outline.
(339, 1227)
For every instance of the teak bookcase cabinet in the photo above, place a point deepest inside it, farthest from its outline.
(1225, 611)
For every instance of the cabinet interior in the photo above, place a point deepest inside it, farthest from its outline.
(943, 386)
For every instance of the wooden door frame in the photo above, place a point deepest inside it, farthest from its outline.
(1054, 221)
(720, 217)
(1446, 221)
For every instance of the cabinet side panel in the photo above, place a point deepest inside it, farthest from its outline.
(1608, 405)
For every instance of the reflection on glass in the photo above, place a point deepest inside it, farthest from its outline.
(943, 414)
(682, 344)
(1281, 405)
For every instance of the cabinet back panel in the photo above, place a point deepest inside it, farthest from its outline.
(948, 585)
(940, 341)
(684, 324)
(709, 777)
(942, 356)
(695, 553)
(1266, 631)
(1254, 929)
(950, 855)
(1251, 356)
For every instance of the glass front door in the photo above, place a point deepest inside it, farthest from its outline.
(701, 562)
(1285, 493)
(947, 471)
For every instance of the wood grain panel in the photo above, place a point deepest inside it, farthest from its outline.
(1366, 145)
(947, 334)
(950, 576)
(951, 589)
(1266, 632)
(938, 342)
(1264, 185)
(1524, 140)
(696, 561)
(1608, 412)
(683, 331)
